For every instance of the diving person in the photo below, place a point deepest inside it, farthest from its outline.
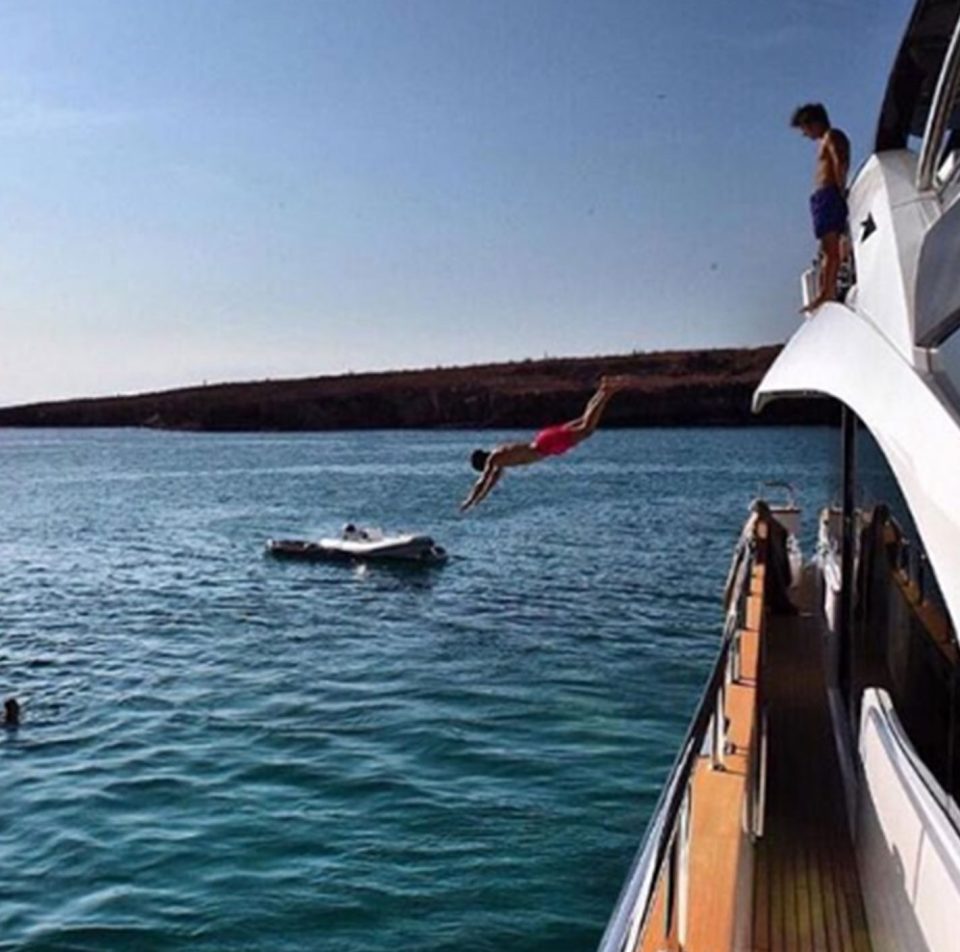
(552, 441)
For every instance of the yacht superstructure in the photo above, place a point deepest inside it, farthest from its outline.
(814, 801)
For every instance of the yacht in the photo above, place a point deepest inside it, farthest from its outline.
(814, 801)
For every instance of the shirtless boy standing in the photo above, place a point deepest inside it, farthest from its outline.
(828, 203)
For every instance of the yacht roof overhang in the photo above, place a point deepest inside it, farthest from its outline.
(915, 72)
(842, 355)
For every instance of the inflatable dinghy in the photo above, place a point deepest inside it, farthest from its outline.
(362, 545)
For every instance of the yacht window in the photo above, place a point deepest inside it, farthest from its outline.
(902, 637)
(936, 164)
(946, 368)
(878, 486)
(948, 161)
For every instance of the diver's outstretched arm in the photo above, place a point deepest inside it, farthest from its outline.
(509, 454)
(481, 488)
(474, 492)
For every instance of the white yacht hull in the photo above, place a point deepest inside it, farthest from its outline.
(908, 852)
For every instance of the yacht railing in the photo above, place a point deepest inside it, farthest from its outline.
(941, 109)
(664, 850)
(846, 278)
(904, 642)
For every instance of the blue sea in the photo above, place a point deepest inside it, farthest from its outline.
(221, 751)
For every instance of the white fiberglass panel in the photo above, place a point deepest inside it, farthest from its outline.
(888, 221)
(908, 852)
(839, 353)
(938, 280)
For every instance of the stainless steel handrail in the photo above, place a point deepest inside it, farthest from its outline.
(940, 108)
(707, 725)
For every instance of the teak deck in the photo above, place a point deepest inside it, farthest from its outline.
(806, 889)
(720, 799)
(718, 848)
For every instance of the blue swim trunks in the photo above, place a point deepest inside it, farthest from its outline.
(829, 210)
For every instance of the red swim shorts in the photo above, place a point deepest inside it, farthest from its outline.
(554, 440)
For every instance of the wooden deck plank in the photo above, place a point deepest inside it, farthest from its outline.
(817, 892)
(654, 938)
(810, 884)
(712, 855)
(791, 926)
(806, 894)
(778, 909)
(804, 909)
(826, 899)
(761, 925)
(717, 841)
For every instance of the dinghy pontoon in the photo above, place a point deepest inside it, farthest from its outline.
(357, 544)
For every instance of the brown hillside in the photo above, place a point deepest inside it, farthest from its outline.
(707, 387)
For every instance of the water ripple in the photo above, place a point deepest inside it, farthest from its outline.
(224, 752)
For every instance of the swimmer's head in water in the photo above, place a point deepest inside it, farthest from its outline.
(478, 459)
(11, 710)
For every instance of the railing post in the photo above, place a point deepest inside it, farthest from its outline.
(718, 745)
(683, 884)
(670, 897)
(759, 793)
(847, 539)
(736, 660)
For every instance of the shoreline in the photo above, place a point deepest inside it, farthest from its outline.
(680, 388)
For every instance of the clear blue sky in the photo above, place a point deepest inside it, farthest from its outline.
(229, 189)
